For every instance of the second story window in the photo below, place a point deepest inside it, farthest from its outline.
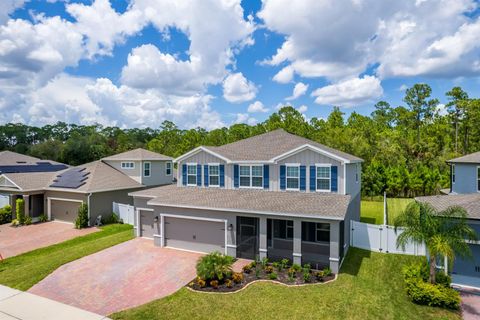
(192, 174)
(323, 178)
(251, 176)
(293, 177)
(213, 175)
(168, 168)
(146, 169)
(128, 165)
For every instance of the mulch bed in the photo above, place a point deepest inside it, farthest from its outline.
(261, 274)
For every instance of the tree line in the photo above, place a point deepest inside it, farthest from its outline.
(404, 147)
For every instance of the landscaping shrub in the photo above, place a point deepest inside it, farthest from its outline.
(273, 276)
(214, 284)
(43, 218)
(112, 219)
(320, 274)
(15, 223)
(275, 265)
(82, 218)
(201, 283)
(28, 220)
(247, 268)
(425, 293)
(327, 271)
(6, 214)
(296, 267)
(228, 283)
(20, 210)
(291, 272)
(268, 269)
(237, 277)
(283, 264)
(307, 277)
(443, 279)
(264, 262)
(214, 266)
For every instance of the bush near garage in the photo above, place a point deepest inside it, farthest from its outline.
(82, 217)
(20, 211)
(6, 214)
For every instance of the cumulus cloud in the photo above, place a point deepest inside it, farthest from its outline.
(236, 88)
(245, 118)
(302, 109)
(350, 92)
(299, 90)
(257, 106)
(7, 7)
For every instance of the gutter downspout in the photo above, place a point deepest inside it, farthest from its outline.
(88, 204)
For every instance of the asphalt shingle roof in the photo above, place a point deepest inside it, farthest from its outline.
(333, 206)
(469, 158)
(470, 202)
(138, 155)
(269, 145)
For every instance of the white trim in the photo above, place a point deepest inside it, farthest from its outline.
(149, 169)
(145, 209)
(297, 254)
(163, 215)
(313, 148)
(171, 168)
(127, 168)
(196, 174)
(49, 204)
(215, 175)
(251, 176)
(16, 185)
(306, 216)
(262, 250)
(231, 246)
(323, 165)
(292, 165)
(333, 259)
(157, 236)
(344, 178)
(197, 150)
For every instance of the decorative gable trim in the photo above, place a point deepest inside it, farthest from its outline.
(198, 150)
(314, 149)
(11, 181)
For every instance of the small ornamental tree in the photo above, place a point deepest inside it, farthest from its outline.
(82, 217)
(20, 210)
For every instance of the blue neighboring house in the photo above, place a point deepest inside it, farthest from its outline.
(465, 192)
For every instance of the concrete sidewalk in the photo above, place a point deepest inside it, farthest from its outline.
(19, 305)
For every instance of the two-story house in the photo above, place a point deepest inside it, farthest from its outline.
(464, 192)
(58, 194)
(274, 195)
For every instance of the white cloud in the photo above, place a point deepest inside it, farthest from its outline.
(257, 106)
(7, 7)
(350, 92)
(299, 90)
(245, 118)
(403, 87)
(442, 109)
(285, 75)
(302, 109)
(236, 88)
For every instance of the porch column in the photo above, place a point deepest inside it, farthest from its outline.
(26, 198)
(334, 246)
(263, 238)
(297, 241)
(137, 220)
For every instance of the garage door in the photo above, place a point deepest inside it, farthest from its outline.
(147, 224)
(194, 235)
(64, 210)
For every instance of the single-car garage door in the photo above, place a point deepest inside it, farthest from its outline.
(195, 235)
(64, 210)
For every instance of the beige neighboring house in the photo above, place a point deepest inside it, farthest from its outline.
(100, 183)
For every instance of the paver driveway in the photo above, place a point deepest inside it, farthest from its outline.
(470, 304)
(14, 241)
(121, 277)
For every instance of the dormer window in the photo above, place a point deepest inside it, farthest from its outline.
(192, 174)
(128, 165)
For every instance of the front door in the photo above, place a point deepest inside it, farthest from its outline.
(247, 237)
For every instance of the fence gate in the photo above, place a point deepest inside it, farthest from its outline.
(381, 238)
(125, 212)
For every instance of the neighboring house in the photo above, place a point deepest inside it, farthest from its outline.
(99, 183)
(464, 192)
(274, 195)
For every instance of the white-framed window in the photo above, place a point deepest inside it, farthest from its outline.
(251, 176)
(293, 176)
(214, 175)
(192, 174)
(128, 165)
(453, 173)
(168, 168)
(323, 178)
(147, 166)
(478, 178)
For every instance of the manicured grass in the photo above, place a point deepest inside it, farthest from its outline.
(372, 211)
(23, 271)
(370, 286)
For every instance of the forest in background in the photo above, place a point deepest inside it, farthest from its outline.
(404, 147)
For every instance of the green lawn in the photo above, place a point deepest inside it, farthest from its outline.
(370, 286)
(372, 211)
(23, 271)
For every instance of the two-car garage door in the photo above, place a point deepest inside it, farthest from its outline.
(194, 235)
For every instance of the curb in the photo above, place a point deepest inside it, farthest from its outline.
(263, 280)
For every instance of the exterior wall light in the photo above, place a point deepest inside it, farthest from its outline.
(230, 227)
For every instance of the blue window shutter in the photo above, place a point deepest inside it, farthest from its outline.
(199, 175)
(334, 178)
(205, 175)
(313, 178)
(266, 176)
(184, 174)
(303, 178)
(283, 182)
(236, 176)
(222, 175)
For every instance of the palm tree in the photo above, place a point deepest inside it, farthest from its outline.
(443, 232)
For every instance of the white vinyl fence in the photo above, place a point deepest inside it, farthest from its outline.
(381, 238)
(125, 212)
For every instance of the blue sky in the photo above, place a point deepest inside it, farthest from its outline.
(213, 63)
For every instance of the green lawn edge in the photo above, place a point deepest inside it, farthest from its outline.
(369, 286)
(23, 271)
(372, 211)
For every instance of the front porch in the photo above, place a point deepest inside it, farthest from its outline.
(34, 205)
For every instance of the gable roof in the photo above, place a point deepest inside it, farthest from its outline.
(328, 206)
(469, 158)
(470, 202)
(30, 181)
(270, 146)
(138, 155)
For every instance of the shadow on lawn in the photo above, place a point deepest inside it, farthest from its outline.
(368, 220)
(353, 260)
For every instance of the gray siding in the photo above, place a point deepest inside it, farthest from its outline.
(101, 202)
(157, 172)
(465, 178)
